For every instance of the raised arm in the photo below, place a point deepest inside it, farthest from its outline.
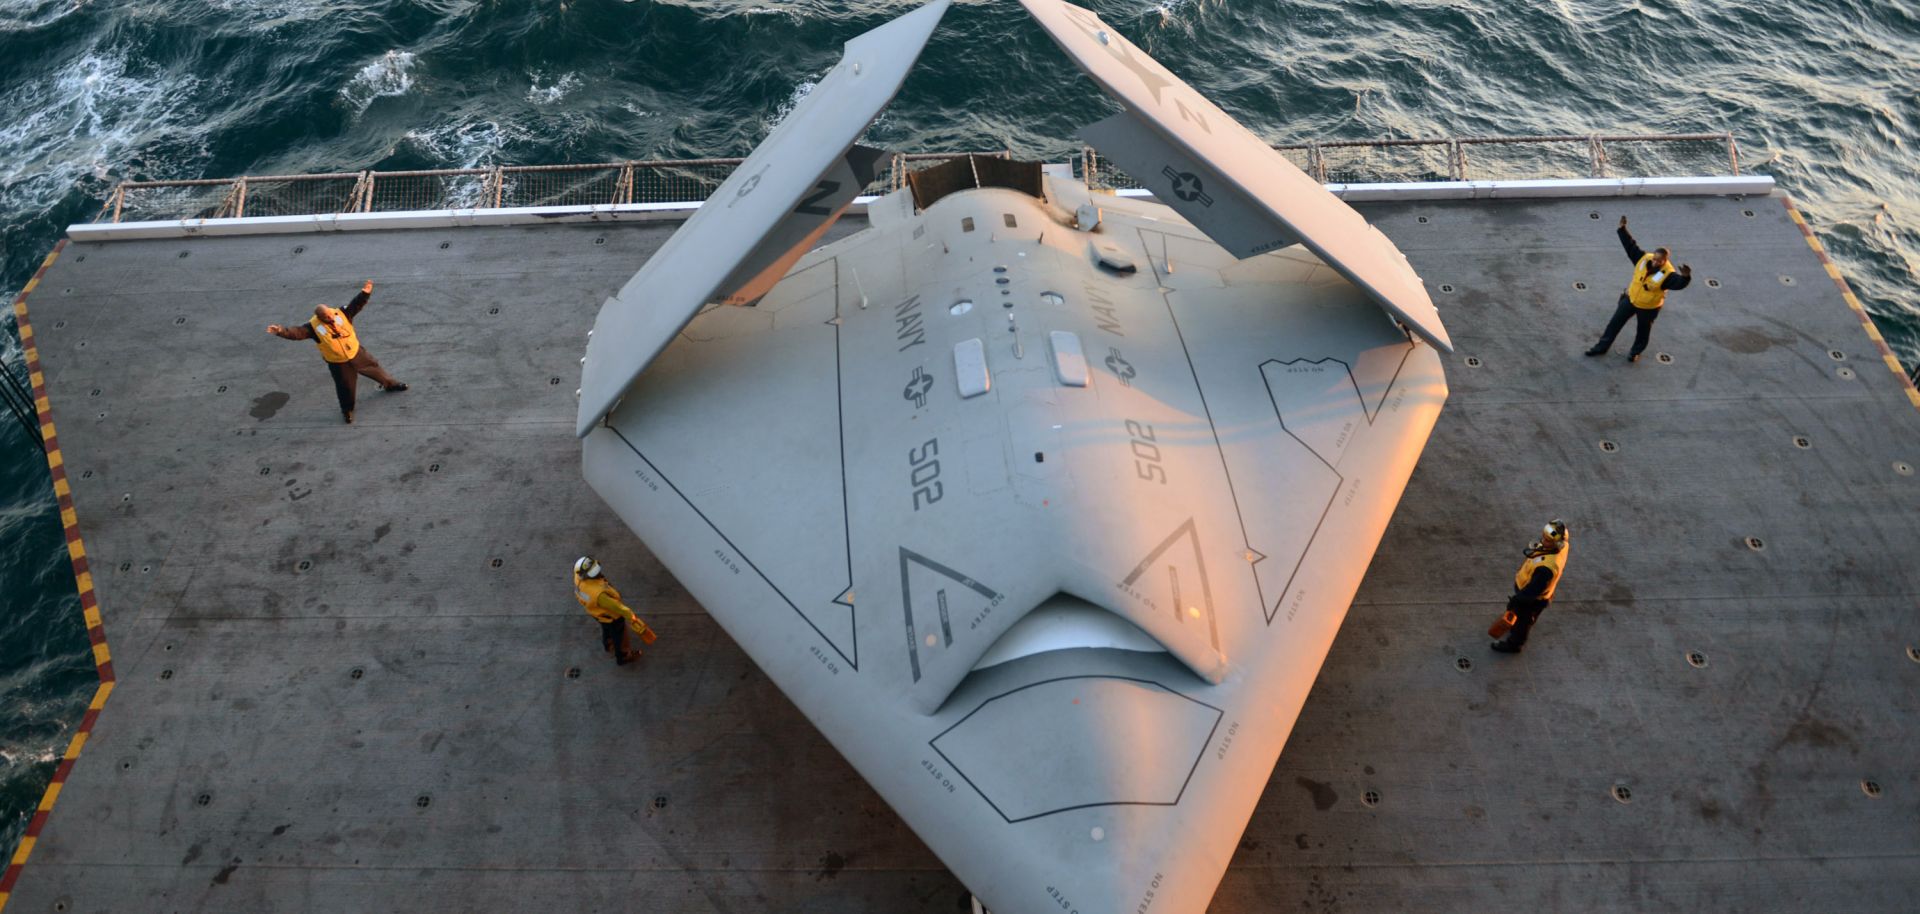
(352, 309)
(1678, 280)
(1626, 240)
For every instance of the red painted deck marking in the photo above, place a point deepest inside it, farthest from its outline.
(83, 583)
(1853, 301)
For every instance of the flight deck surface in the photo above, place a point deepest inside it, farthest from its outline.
(346, 654)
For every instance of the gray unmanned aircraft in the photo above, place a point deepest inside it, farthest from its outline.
(1044, 505)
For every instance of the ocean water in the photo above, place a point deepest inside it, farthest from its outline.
(1821, 94)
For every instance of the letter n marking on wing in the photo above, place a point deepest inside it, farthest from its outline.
(823, 190)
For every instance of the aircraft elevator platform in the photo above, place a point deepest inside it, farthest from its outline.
(350, 675)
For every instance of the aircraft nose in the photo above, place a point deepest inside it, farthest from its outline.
(1093, 776)
(1078, 742)
(1115, 858)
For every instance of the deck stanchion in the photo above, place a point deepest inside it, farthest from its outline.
(688, 180)
(19, 402)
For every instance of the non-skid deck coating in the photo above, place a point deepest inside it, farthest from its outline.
(344, 652)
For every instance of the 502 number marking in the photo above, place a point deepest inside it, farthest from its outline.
(1146, 453)
(925, 474)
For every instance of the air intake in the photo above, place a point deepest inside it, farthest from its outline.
(969, 171)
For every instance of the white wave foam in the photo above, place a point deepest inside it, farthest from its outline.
(799, 94)
(22, 761)
(265, 15)
(1169, 9)
(89, 122)
(552, 92)
(27, 15)
(389, 74)
(469, 145)
(39, 754)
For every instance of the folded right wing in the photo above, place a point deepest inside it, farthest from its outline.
(1229, 183)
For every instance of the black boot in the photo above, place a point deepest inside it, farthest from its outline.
(1506, 647)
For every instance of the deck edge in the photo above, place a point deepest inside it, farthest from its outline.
(82, 577)
(1853, 301)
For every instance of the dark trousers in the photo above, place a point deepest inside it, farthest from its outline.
(1525, 613)
(613, 637)
(1645, 317)
(348, 372)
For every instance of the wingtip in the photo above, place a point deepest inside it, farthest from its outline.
(888, 52)
(1435, 334)
(583, 423)
(924, 19)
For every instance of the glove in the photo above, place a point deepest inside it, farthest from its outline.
(1623, 222)
(1686, 270)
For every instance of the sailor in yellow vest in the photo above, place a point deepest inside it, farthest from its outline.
(1533, 587)
(602, 602)
(331, 329)
(1653, 277)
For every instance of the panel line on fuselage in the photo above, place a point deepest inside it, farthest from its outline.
(1340, 478)
(740, 552)
(845, 597)
(1256, 556)
(1218, 712)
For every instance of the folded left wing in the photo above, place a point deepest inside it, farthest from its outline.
(768, 212)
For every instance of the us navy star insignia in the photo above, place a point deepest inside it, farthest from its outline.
(917, 387)
(1187, 186)
(1153, 81)
(1120, 367)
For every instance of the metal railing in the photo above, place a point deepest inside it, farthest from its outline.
(1487, 158)
(604, 183)
(693, 180)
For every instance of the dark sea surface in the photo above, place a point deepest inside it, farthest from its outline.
(1821, 94)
